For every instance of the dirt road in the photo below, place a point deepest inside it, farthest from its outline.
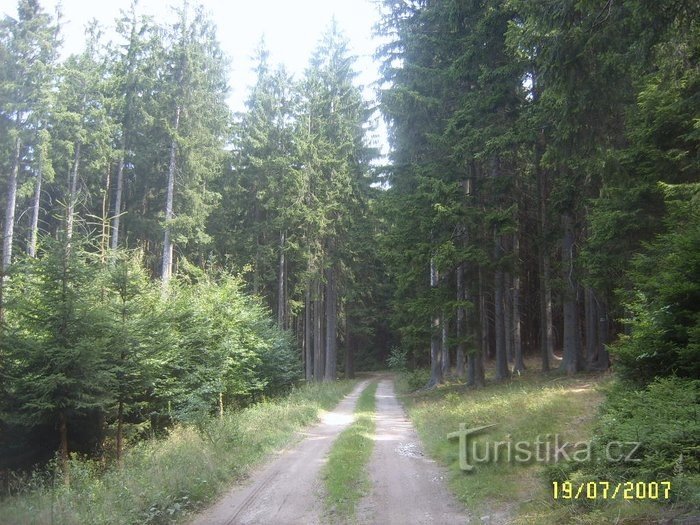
(288, 490)
(407, 488)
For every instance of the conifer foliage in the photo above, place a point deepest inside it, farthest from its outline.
(164, 261)
(180, 261)
(528, 140)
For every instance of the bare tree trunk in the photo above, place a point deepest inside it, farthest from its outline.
(546, 320)
(571, 353)
(319, 364)
(549, 318)
(475, 368)
(483, 316)
(63, 447)
(517, 334)
(36, 207)
(331, 325)
(256, 262)
(118, 203)
(508, 315)
(349, 350)
(167, 269)
(120, 432)
(281, 300)
(603, 361)
(104, 220)
(591, 319)
(461, 323)
(475, 359)
(308, 335)
(9, 229)
(288, 321)
(502, 371)
(435, 336)
(499, 327)
(545, 349)
(445, 344)
(73, 192)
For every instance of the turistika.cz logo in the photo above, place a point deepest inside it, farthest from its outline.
(544, 449)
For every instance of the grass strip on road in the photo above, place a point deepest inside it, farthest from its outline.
(345, 475)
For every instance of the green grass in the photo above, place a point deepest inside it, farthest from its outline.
(345, 476)
(165, 481)
(530, 405)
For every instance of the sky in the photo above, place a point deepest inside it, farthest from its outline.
(291, 29)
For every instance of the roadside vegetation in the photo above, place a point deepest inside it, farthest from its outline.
(345, 474)
(164, 480)
(165, 261)
(557, 409)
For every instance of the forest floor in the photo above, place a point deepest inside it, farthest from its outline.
(406, 486)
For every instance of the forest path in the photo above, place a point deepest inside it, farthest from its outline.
(407, 487)
(289, 489)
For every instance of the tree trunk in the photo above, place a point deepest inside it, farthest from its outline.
(499, 316)
(435, 336)
(167, 269)
(499, 327)
(10, 209)
(591, 320)
(483, 317)
(281, 300)
(545, 331)
(596, 332)
(256, 260)
(508, 316)
(475, 359)
(549, 317)
(603, 360)
(319, 364)
(104, 220)
(308, 335)
(331, 325)
(545, 289)
(63, 447)
(36, 207)
(571, 352)
(517, 333)
(120, 432)
(73, 193)
(517, 328)
(349, 351)
(461, 323)
(445, 345)
(288, 321)
(118, 203)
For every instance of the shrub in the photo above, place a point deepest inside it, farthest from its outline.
(398, 359)
(663, 418)
(664, 336)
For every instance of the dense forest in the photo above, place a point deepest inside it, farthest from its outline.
(164, 260)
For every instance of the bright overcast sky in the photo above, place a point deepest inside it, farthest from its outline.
(291, 28)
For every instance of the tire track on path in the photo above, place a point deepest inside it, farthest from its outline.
(407, 487)
(287, 491)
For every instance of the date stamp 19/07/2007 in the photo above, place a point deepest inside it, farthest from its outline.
(604, 490)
